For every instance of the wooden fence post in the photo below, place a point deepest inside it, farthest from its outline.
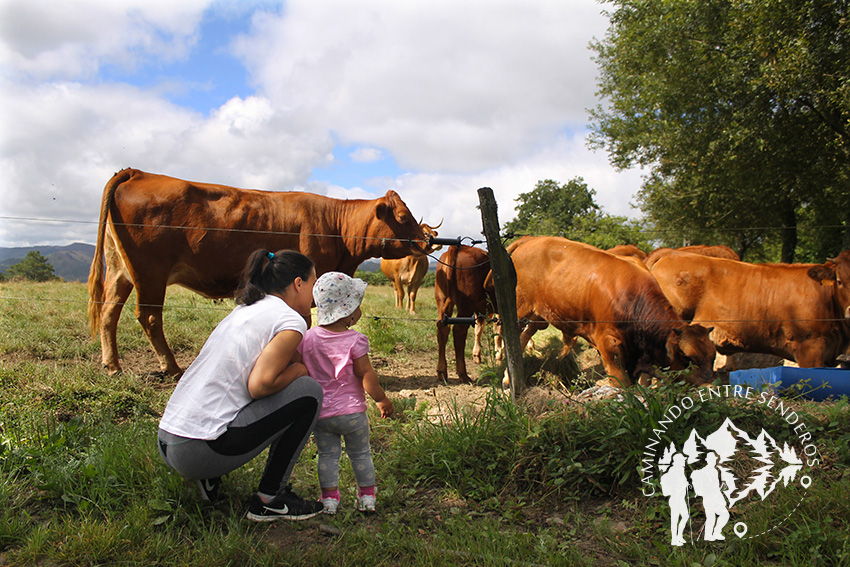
(504, 278)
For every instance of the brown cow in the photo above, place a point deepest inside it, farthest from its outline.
(459, 284)
(156, 231)
(629, 250)
(610, 301)
(717, 251)
(407, 273)
(796, 311)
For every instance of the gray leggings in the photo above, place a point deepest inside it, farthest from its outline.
(354, 428)
(282, 422)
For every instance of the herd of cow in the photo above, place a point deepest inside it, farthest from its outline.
(671, 309)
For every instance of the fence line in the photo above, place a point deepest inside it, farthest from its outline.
(421, 320)
(647, 231)
(219, 229)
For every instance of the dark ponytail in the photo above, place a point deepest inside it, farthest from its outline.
(267, 272)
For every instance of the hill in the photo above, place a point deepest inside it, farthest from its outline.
(71, 263)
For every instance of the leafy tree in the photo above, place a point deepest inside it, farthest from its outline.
(553, 209)
(569, 210)
(33, 267)
(741, 112)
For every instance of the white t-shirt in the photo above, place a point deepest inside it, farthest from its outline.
(215, 386)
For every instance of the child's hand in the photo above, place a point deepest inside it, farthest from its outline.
(386, 407)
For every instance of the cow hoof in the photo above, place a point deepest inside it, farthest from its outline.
(465, 379)
(111, 370)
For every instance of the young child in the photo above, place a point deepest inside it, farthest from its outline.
(338, 359)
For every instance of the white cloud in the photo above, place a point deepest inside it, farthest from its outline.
(454, 198)
(64, 141)
(442, 85)
(366, 155)
(461, 94)
(46, 39)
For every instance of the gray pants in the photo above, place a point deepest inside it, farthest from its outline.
(354, 428)
(282, 422)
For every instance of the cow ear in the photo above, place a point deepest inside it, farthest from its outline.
(822, 274)
(381, 211)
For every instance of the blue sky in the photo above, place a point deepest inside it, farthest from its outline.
(433, 99)
(210, 75)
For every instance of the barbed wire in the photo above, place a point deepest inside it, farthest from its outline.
(458, 241)
(220, 229)
(583, 231)
(430, 320)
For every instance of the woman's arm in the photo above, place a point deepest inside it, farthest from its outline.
(276, 367)
(363, 370)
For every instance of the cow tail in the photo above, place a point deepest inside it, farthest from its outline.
(450, 259)
(95, 284)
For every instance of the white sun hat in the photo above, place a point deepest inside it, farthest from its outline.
(337, 295)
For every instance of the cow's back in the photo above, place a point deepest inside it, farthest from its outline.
(753, 307)
(566, 279)
(714, 251)
(199, 235)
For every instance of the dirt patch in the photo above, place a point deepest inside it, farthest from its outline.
(415, 378)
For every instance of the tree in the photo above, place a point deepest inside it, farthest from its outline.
(570, 211)
(33, 267)
(741, 112)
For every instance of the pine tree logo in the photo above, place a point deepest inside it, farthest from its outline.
(708, 472)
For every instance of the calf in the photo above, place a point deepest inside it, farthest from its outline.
(407, 273)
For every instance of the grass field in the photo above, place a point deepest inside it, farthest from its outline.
(553, 484)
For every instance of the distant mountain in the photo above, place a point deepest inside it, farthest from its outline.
(71, 263)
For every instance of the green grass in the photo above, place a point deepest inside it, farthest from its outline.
(81, 482)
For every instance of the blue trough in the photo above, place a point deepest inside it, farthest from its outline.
(818, 384)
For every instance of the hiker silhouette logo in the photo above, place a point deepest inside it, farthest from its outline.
(706, 477)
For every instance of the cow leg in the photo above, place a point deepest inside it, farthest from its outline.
(411, 300)
(528, 332)
(116, 291)
(569, 344)
(498, 341)
(476, 345)
(442, 339)
(149, 314)
(399, 294)
(459, 333)
(611, 351)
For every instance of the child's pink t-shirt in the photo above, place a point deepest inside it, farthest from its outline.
(329, 358)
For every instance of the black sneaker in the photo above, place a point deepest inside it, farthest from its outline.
(208, 488)
(286, 506)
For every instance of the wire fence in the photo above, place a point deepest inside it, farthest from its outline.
(452, 242)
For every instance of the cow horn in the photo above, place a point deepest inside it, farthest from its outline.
(435, 227)
(833, 260)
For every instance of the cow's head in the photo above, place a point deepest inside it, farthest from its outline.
(690, 344)
(430, 231)
(836, 272)
(394, 232)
